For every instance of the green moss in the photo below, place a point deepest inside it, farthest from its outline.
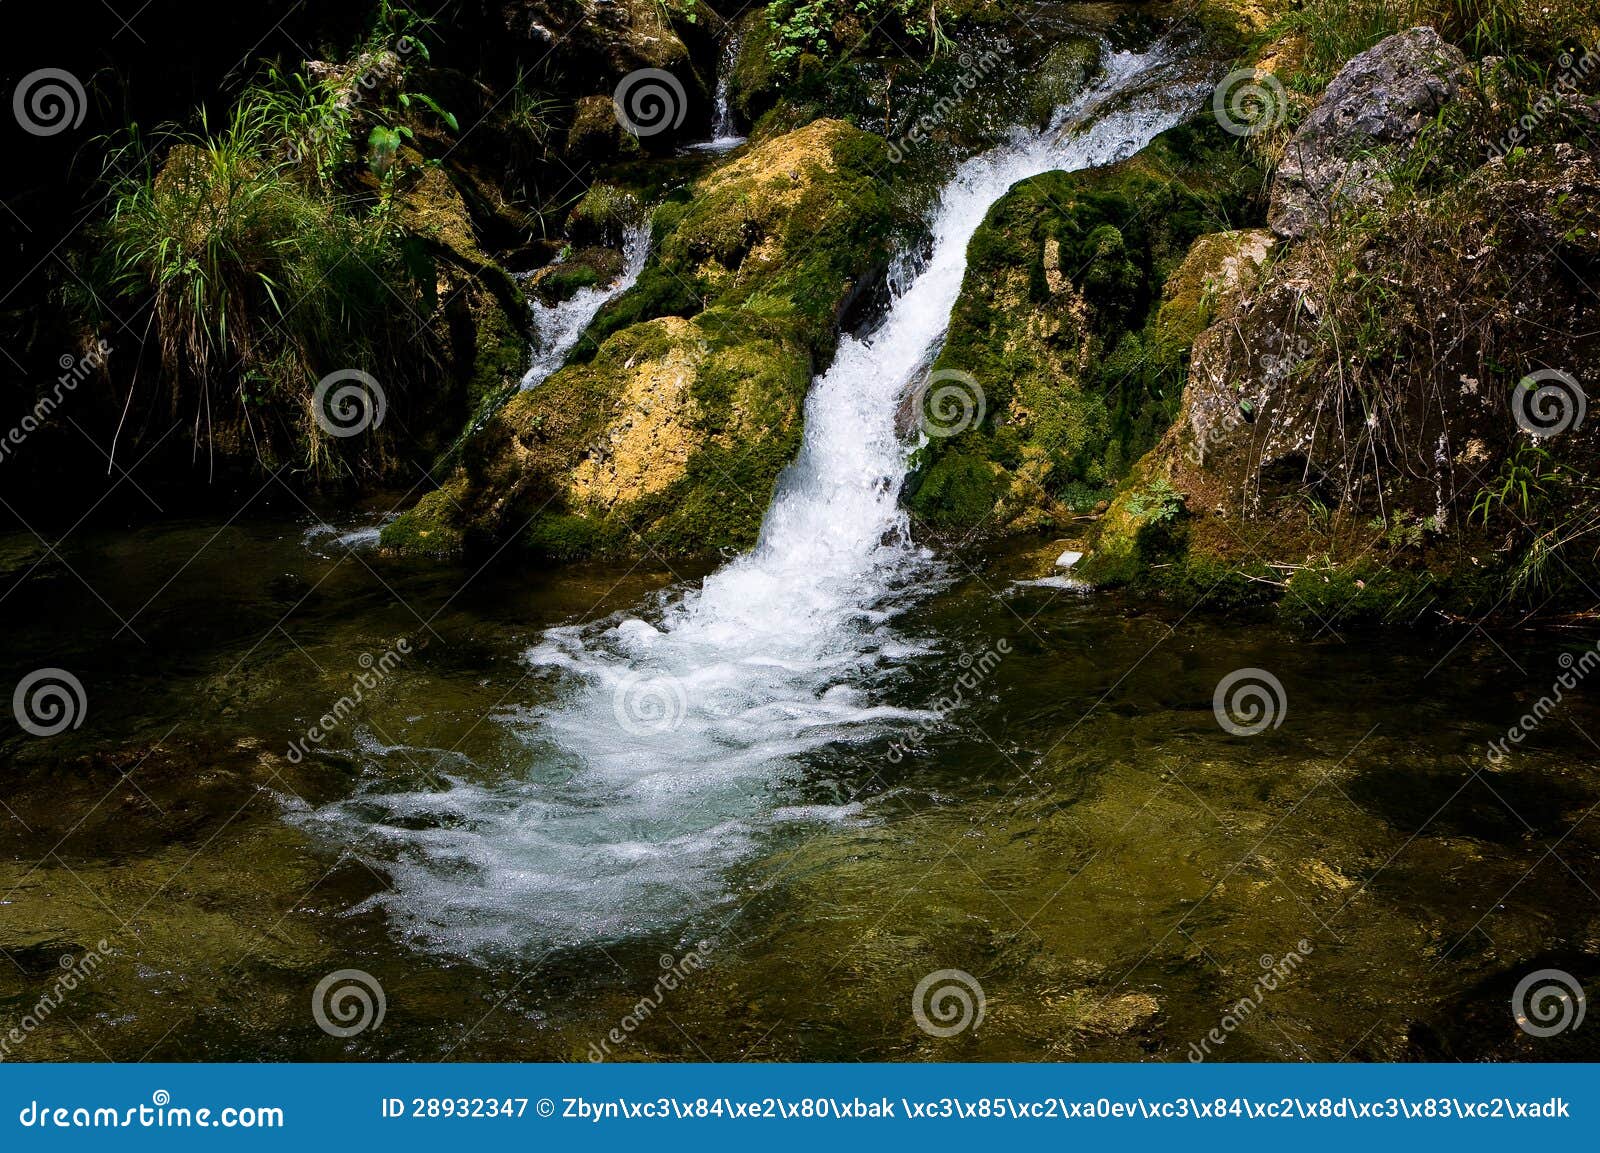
(1359, 595)
(566, 536)
(1057, 322)
(427, 529)
(500, 355)
(958, 490)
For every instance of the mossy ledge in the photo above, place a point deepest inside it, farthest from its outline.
(1063, 325)
(670, 435)
(1357, 444)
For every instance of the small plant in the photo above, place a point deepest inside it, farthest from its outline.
(1552, 507)
(1156, 503)
(823, 28)
(262, 276)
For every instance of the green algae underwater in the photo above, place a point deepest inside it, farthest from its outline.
(1078, 833)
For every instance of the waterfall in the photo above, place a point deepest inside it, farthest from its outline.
(681, 734)
(557, 327)
(724, 131)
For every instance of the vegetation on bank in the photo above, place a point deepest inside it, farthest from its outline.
(1371, 464)
(309, 236)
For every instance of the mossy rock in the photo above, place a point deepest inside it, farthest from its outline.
(427, 529)
(1057, 322)
(1062, 76)
(671, 437)
(585, 268)
(672, 425)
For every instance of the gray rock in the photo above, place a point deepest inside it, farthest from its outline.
(1365, 123)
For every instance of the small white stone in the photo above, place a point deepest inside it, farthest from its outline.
(1068, 559)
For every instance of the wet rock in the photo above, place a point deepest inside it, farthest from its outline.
(1366, 121)
(595, 133)
(1061, 77)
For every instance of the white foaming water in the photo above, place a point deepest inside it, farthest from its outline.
(557, 327)
(724, 131)
(675, 742)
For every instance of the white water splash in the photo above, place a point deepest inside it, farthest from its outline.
(677, 737)
(724, 130)
(557, 327)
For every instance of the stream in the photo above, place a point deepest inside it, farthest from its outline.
(796, 784)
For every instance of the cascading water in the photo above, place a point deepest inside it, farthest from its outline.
(724, 131)
(680, 735)
(557, 327)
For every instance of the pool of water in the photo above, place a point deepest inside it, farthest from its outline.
(1059, 818)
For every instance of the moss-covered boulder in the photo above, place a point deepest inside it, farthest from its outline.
(1370, 430)
(793, 229)
(482, 318)
(1063, 324)
(673, 430)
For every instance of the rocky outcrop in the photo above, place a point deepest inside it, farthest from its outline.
(673, 432)
(1064, 328)
(1392, 418)
(1366, 123)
